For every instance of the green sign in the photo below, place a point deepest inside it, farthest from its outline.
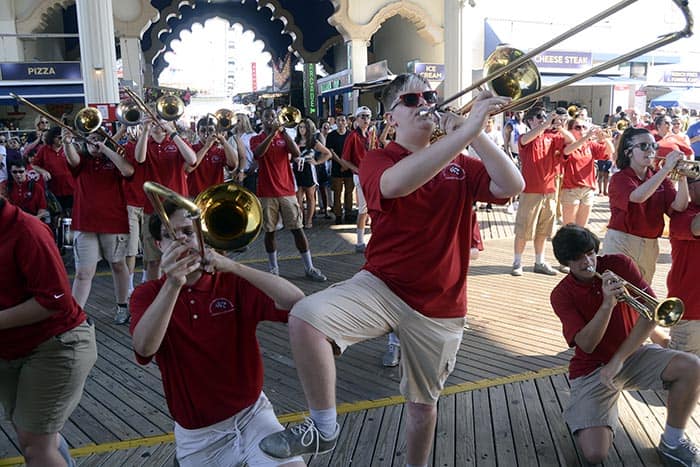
(310, 90)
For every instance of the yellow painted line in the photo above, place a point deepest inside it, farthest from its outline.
(344, 408)
(246, 261)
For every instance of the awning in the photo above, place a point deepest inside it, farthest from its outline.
(336, 91)
(44, 93)
(687, 98)
(549, 80)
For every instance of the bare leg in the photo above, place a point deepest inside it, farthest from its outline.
(595, 443)
(539, 244)
(120, 277)
(40, 450)
(420, 430)
(582, 215)
(300, 240)
(270, 245)
(568, 213)
(83, 283)
(683, 372)
(313, 356)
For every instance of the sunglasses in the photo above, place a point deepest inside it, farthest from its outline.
(43, 121)
(646, 146)
(412, 99)
(18, 171)
(2, 141)
(541, 116)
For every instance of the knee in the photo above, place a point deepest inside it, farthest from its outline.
(119, 267)
(594, 454)
(421, 413)
(84, 274)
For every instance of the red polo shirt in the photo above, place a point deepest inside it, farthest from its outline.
(32, 268)
(61, 183)
(210, 170)
(133, 186)
(99, 204)
(685, 254)
(641, 219)
(165, 165)
(540, 161)
(210, 358)
(275, 178)
(420, 242)
(29, 200)
(576, 303)
(579, 168)
(356, 147)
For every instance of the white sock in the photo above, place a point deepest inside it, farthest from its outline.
(131, 281)
(539, 258)
(326, 421)
(272, 259)
(144, 277)
(308, 262)
(672, 435)
(517, 259)
(360, 236)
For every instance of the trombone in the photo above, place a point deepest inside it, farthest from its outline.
(225, 216)
(511, 72)
(168, 107)
(665, 313)
(88, 120)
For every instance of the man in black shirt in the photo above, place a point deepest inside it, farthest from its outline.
(341, 177)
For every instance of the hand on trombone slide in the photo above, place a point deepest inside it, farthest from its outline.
(479, 111)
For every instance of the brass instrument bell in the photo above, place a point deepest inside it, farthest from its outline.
(289, 117)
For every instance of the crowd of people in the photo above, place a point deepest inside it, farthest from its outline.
(196, 312)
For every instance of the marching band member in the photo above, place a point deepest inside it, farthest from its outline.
(579, 183)
(212, 372)
(48, 343)
(272, 149)
(27, 194)
(639, 197)
(164, 154)
(684, 232)
(100, 220)
(420, 196)
(214, 153)
(610, 355)
(50, 162)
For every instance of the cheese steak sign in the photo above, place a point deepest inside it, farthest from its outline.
(39, 70)
(563, 60)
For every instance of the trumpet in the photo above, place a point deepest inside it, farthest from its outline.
(665, 313)
(683, 168)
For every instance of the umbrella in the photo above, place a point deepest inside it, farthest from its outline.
(688, 98)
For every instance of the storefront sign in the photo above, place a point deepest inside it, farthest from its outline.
(377, 71)
(682, 77)
(334, 81)
(310, 89)
(430, 71)
(40, 70)
(563, 60)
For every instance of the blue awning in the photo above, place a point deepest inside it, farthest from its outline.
(549, 80)
(44, 93)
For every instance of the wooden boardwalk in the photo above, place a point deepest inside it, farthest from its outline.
(502, 405)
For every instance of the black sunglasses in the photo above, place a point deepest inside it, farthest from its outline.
(646, 146)
(18, 171)
(412, 99)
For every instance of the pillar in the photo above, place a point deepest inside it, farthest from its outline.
(132, 61)
(459, 20)
(98, 57)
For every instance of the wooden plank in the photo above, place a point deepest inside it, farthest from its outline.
(387, 436)
(324, 460)
(368, 437)
(643, 429)
(483, 436)
(502, 432)
(344, 452)
(519, 425)
(553, 404)
(444, 444)
(465, 449)
(538, 426)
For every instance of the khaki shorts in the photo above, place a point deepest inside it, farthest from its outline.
(685, 336)
(363, 308)
(287, 206)
(233, 441)
(89, 247)
(643, 251)
(592, 404)
(579, 195)
(535, 216)
(151, 252)
(361, 201)
(40, 391)
(135, 227)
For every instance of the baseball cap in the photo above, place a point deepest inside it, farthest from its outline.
(363, 110)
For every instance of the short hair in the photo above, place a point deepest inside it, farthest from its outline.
(21, 162)
(400, 84)
(533, 111)
(155, 223)
(624, 146)
(571, 241)
(659, 120)
(205, 122)
(51, 134)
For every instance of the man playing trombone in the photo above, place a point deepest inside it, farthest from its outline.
(610, 355)
(420, 197)
(213, 153)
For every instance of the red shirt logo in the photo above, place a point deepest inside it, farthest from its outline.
(220, 306)
(453, 172)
